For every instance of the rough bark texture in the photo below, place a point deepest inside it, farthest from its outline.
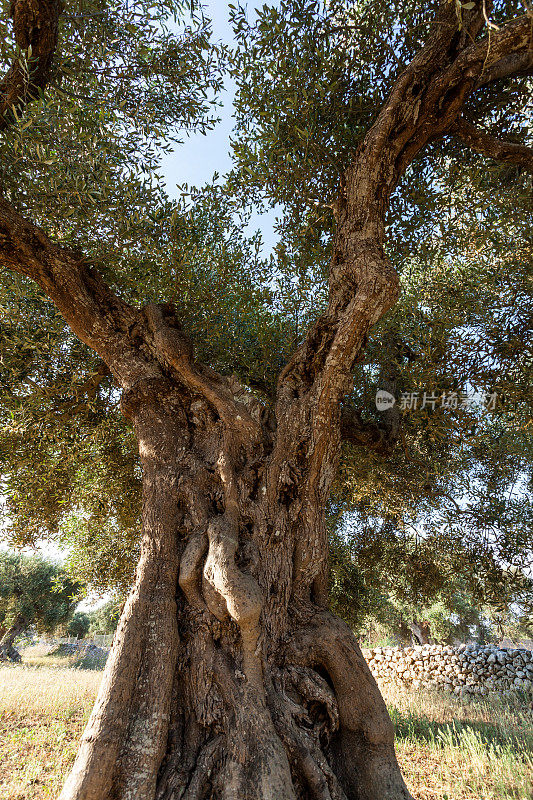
(482, 142)
(420, 632)
(8, 651)
(229, 678)
(258, 692)
(35, 27)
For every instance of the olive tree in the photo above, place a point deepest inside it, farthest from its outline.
(34, 592)
(229, 675)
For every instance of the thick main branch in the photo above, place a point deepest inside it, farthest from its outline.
(94, 312)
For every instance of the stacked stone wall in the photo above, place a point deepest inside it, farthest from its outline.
(466, 669)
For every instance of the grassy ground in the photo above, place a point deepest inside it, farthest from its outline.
(42, 713)
(448, 749)
(452, 749)
(64, 656)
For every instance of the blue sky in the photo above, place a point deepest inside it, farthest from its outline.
(199, 157)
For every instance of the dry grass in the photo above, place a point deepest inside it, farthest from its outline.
(448, 749)
(60, 656)
(39, 656)
(452, 749)
(42, 714)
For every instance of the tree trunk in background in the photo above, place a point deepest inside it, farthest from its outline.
(7, 650)
(420, 632)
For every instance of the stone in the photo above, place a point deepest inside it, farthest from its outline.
(471, 669)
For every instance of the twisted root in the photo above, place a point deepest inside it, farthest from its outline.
(362, 750)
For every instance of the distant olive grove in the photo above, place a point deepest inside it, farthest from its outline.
(38, 595)
(34, 593)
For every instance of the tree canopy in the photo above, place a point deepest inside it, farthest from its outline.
(263, 391)
(79, 625)
(104, 620)
(34, 592)
(127, 83)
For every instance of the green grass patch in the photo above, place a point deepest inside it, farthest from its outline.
(451, 749)
(448, 749)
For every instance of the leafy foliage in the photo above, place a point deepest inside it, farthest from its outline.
(34, 591)
(79, 625)
(130, 81)
(104, 620)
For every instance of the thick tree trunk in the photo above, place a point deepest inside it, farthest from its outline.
(228, 677)
(7, 650)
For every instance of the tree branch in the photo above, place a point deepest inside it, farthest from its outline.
(383, 435)
(507, 66)
(96, 315)
(429, 114)
(370, 435)
(492, 147)
(425, 101)
(35, 28)
(401, 110)
(172, 346)
(101, 319)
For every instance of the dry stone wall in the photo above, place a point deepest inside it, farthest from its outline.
(466, 669)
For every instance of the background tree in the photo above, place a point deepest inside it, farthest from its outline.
(34, 592)
(79, 625)
(383, 579)
(516, 624)
(104, 620)
(244, 668)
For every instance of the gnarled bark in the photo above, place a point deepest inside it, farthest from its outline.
(35, 29)
(229, 679)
